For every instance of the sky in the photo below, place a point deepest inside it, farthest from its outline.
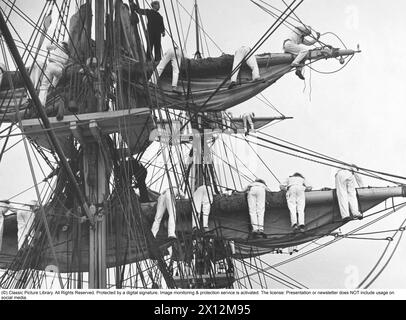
(355, 115)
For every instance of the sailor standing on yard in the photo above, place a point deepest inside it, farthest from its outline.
(256, 197)
(155, 26)
(247, 118)
(174, 55)
(345, 180)
(4, 207)
(58, 58)
(239, 56)
(167, 202)
(202, 199)
(296, 186)
(299, 45)
(25, 218)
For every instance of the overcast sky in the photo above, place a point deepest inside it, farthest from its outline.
(355, 115)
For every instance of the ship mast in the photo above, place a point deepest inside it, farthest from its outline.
(198, 55)
(96, 184)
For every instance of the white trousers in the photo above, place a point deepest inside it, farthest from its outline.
(240, 54)
(256, 204)
(296, 203)
(202, 203)
(346, 194)
(170, 56)
(1, 229)
(165, 203)
(300, 50)
(246, 118)
(24, 223)
(53, 74)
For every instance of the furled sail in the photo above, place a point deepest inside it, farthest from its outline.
(229, 220)
(203, 77)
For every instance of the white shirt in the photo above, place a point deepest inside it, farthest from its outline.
(57, 55)
(355, 175)
(298, 37)
(4, 207)
(257, 184)
(295, 181)
(248, 115)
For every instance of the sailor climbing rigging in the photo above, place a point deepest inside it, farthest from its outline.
(58, 58)
(247, 118)
(299, 44)
(174, 55)
(167, 201)
(202, 199)
(240, 55)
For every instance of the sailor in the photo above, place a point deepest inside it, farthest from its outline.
(247, 118)
(345, 180)
(293, 250)
(167, 201)
(25, 218)
(155, 27)
(256, 197)
(202, 199)
(174, 55)
(4, 208)
(241, 54)
(296, 186)
(299, 44)
(58, 58)
(139, 172)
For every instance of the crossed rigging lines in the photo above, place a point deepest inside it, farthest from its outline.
(370, 173)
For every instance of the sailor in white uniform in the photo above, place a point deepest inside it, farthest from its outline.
(202, 199)
(296, 186)
(299, 44)
(58, 58)
(175, 57)
(25, 219)
(256, 197)
(345, 181)
(239, 56)
(167, 202)
(247, 118)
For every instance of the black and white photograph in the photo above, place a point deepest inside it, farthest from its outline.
(201, 150)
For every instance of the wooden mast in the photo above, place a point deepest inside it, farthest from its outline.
(95, 169)
(198, 55)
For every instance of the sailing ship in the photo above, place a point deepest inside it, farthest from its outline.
(93, 230)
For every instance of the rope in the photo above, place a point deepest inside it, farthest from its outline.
(285, 262)
(222, 52)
